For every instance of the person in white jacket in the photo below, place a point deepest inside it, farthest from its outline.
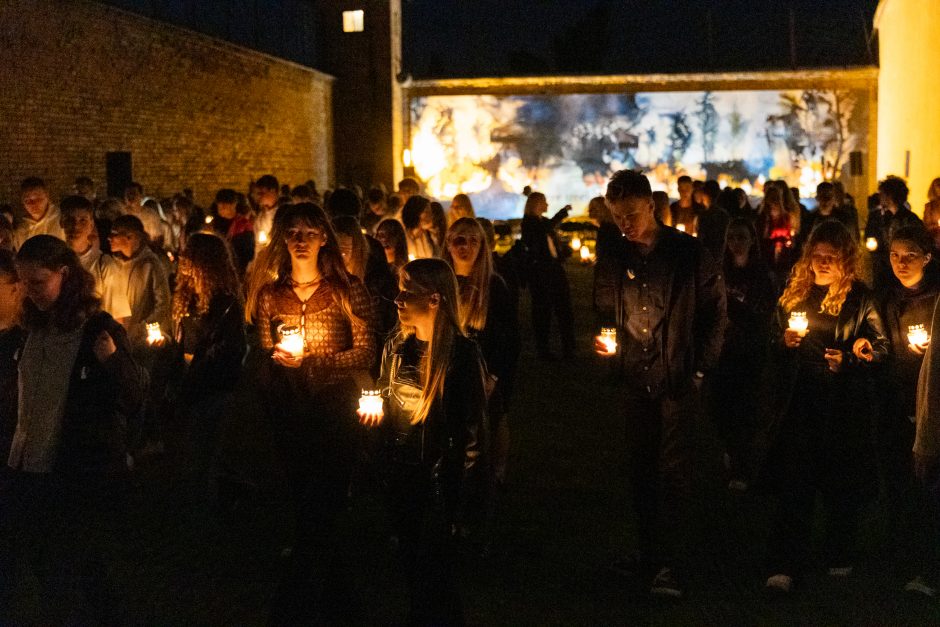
(40, 217)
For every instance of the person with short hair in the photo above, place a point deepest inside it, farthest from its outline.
(420, 243)
(40, 217)
(666, 298)
(375, 209)
(267, 201)
(78, 222)
(892, 214)
(407, 188)
(230, 222)
(827, 208)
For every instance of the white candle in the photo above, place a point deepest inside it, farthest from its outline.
(917, 335)
(799, 322)
(370, 403)
(871, 244)
(608, 338)
(291, 341)
(209, 219)
(680, 227)
(262, 237)
(576, 244)
(411, 257)
(154, 334)
(586, 254)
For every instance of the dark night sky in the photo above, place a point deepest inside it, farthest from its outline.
(460, 38)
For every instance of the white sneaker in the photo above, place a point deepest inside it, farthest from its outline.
(780, 583)
(919, 585)
(843, 571)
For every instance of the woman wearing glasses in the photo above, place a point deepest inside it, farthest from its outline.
(908, 308)
(488, 315)
(317, 320)
(433, 377)
(822, 429)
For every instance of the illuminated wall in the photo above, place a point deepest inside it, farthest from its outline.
(908, 101)
(566, 145)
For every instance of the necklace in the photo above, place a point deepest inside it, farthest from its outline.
(295, 283)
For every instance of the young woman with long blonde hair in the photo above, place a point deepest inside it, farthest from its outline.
(311, 384)
(822, 414)
(432, 376)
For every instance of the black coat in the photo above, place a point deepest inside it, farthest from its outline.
(218, 346)
(695, 307)
(103, 403)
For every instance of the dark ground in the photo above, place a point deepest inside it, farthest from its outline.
(565, 518)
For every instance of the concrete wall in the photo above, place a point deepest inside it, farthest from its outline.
(908, 101)
(81, 79)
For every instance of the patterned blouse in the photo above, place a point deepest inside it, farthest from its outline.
(334, 346)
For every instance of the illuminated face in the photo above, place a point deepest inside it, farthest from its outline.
(345, 243)
(416, 307)
(685, 190)
(43, 286)
(463, 247)
(123, 241)
(36, 202)
(634, 216)
(304, 241)
(79, 227)
(908, 262)
(266, 198)
(427, 219)
(826, 264)
(826, 201)
(225, 210)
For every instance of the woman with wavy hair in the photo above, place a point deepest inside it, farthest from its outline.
(210, 340)
(488, 314)
(317, 322)
(823, 425)
(433, 416)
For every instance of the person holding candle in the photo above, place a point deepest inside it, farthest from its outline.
(311, 397)
(908, 308)
(893, 213)
(434, 418)
(667, 299)
(777, 223)
(80, 392)
(210, 338)
(231, 222)
(546, 277)
(488, 314)
(821, 420)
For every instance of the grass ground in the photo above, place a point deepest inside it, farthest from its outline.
(565, 518)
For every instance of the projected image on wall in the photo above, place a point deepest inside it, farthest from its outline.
(566, 146)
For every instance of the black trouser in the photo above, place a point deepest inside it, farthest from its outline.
(662, 430)
(551, 295)
(316, 441)
(424, 528)
(821, 447)
(68, 534)
(914, 523)
(732, 403)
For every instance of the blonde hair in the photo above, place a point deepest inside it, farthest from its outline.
(427, 277)
(475, 293)
(933, 192)
(460, 207)
(802, 277)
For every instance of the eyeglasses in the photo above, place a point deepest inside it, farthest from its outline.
(461, 240)
(304, 236)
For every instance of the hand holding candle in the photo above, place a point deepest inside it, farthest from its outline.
(918, 338)
(871, 244)
(154, 334)
(262, 237)
(797, 329)
(605, 344)
(371, 409)
(290, 350)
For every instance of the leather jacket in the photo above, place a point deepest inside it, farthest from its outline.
(448, 444)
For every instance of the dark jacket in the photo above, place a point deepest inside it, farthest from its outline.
(11, 345)
(449, 442)
(695, 307)
(217, 342)
(499, 341)
(103, 403)
(535, 233)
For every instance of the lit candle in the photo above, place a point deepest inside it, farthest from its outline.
(799, 322)
(154, 334)
(209, 219)
(576, 243)
(917, 335)
(680, 228)
(291, 341)
(411, 257)
(586, 255)
(370, 403)
(262, 237)
(608, 338)
(871, 244)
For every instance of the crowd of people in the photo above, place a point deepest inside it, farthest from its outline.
(383, 329)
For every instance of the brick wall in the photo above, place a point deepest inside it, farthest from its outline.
(79, 79)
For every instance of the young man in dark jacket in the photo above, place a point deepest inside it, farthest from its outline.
(667, 300)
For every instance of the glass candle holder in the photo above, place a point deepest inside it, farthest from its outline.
(291, 341)
(209, 219)
(680, 228)
(799, 322)
(370, 403)
(154, 333)
(917, 335)
(608, 338)
(262, 237)
(871, 244)
(576, 243)
(586, 256)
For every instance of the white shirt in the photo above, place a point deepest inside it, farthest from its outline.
(106, 272)
(46, 225)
